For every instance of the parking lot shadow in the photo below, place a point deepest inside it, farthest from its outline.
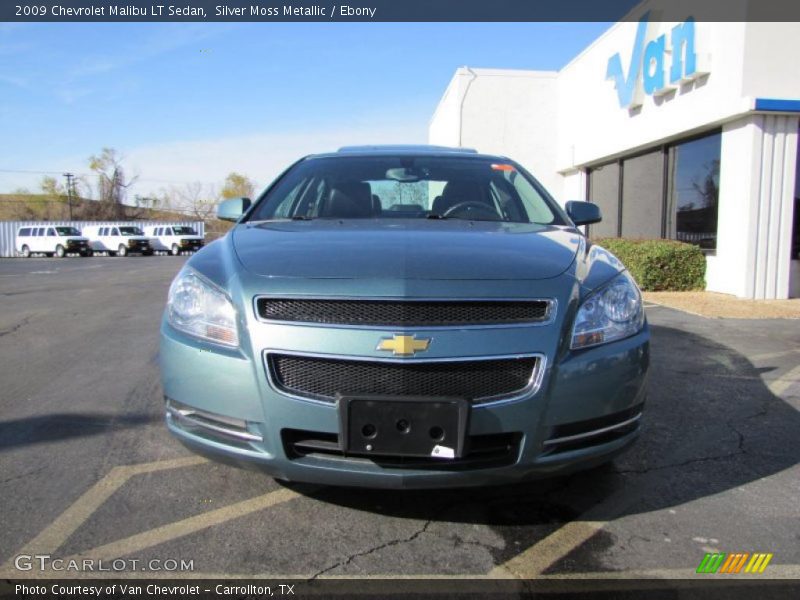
(710, 425)
(62, 426)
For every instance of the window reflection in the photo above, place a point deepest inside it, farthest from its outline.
(693, 191)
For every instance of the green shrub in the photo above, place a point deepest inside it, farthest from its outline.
(660, 265)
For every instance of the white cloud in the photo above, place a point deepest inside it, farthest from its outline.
(260, 156)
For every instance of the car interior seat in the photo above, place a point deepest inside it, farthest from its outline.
(456, 192)
(349, 200)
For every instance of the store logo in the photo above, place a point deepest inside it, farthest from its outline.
(721, 562)
(647, 69)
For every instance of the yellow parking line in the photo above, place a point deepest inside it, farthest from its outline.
(781, 384)
(772, 355)
(55, 534)
(184, 527)
(536, 559)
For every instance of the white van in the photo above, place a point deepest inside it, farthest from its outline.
(51, 240)
(174, 238)
(118, 240)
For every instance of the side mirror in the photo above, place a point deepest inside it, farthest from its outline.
(583, 213)
(233, 209)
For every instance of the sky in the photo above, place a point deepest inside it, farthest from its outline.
(191, 102)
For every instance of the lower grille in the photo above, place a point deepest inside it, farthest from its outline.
(477, 380)
(482, 451)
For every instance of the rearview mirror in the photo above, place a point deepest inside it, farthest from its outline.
(233, 209)
(583, 213)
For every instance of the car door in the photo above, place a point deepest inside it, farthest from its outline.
(51, 240)
(39, 241)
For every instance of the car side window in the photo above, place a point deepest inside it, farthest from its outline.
(168, 231)
(115, 231)
(40, 231)
(286, 207)
(51, 231)
(24, 232)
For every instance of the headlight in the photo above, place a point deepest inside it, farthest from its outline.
(613, 313)
(199, 308)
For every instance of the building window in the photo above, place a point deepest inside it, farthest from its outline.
(643, 195)
(672, 192)
(604, 191)
(693, 191)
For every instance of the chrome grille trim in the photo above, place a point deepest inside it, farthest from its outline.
(531, 388)
(203, 420)
(593, 433)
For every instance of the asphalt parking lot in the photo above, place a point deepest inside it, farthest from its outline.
(87, 468)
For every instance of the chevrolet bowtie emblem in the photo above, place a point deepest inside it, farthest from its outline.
(404, 345)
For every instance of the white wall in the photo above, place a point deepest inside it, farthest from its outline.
(558, 124)
(512, 113)
(593, 126)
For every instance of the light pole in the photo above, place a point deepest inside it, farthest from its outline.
(69, 177)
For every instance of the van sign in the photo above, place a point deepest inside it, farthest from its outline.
(649, 62)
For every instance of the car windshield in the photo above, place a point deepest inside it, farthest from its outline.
(184, 231)
(130, 231)
(63, 231)
(386, 187)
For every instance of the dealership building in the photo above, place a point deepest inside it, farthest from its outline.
(685, 130)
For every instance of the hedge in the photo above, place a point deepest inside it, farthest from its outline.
(660, 265)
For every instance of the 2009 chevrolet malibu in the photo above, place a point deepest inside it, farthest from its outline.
(405, 317)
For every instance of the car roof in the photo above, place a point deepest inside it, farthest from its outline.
(406, 150)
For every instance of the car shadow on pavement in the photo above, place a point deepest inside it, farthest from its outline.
(710, 425)
(62, 426)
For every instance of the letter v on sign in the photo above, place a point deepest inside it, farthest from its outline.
(627, 85)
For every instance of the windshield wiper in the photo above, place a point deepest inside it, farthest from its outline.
(302, 218)
(436, 216)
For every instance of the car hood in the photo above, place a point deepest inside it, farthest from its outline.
(407, 249)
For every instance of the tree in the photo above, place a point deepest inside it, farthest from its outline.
(50, 204)
(237, 186)
(708, 188)
(111, 183)
(193, 199)
(51, 187)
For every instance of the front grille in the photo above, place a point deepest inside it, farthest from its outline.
(481, 451)
(477, 380)
(403, 313)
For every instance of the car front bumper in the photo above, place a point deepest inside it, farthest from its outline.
(221, 404)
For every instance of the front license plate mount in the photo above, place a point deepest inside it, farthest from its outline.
(403, 426)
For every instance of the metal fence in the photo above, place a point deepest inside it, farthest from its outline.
(8, 229)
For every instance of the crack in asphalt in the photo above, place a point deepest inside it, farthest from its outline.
(22, 475)
(352, 557)
(739, 451)
(16, 327)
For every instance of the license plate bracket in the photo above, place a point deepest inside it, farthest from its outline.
(373, 425)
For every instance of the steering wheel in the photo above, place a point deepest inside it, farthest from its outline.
(469, 205)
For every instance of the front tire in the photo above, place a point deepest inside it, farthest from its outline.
(26, 252)
(175, 250)
(122, 251)
(60, 252)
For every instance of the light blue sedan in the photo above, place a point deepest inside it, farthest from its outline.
(405, 317)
